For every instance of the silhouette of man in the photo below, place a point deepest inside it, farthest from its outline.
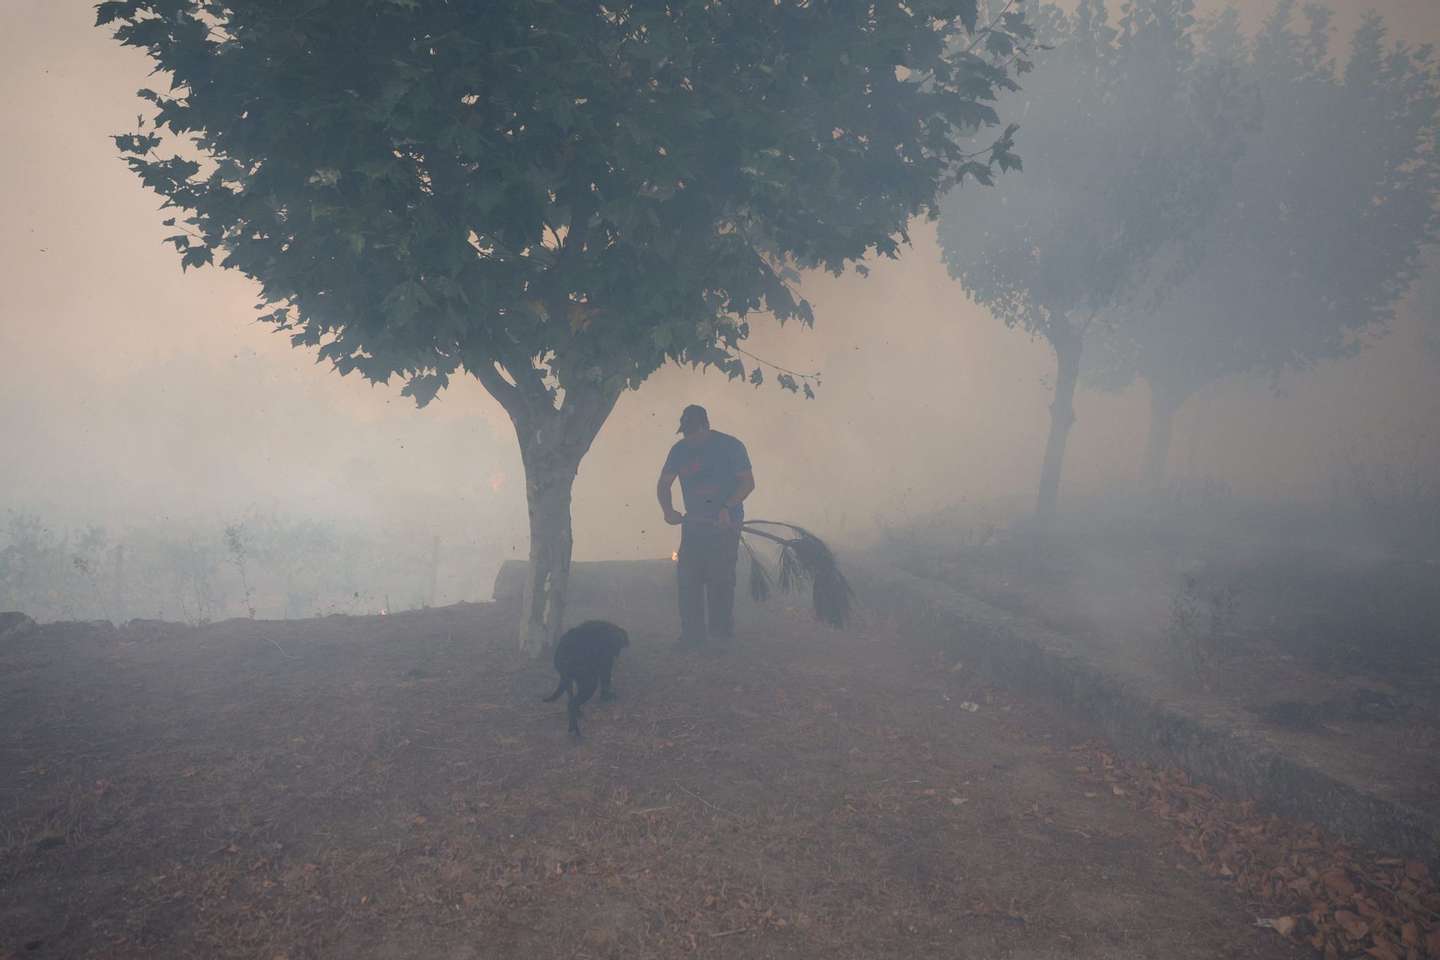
(715, 478)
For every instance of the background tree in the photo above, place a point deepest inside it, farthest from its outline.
(555, 197)
(1322, 228)
(1113, 122)
(1427, 310)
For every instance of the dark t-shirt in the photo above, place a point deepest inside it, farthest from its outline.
(709, 473)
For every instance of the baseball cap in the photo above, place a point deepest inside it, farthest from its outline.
(693, 414)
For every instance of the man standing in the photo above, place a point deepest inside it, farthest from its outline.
(715, 478)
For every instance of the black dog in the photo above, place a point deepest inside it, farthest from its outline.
(584, 657)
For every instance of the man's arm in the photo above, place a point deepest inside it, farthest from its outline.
(744, 482)
(744, 486)
(663, 494)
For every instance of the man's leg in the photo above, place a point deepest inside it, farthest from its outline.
(690, 580)
(724, 553)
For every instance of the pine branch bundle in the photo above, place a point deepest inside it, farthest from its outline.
(803, 556)
(760, 583)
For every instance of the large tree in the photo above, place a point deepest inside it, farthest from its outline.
(554, 196)
(1127, 136)
(1321, 230)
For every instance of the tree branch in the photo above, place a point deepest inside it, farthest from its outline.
(775, 366)
(578, 233)
(587, 405)
(981, 32)
(499, 388)
(528, 383)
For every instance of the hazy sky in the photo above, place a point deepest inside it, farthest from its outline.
(129, 390)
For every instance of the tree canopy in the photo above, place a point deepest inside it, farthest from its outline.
(557, 197)
(1114, 122)
(582, 190)
(1321, 229)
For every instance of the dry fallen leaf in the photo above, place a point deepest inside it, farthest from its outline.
(1339, 883)
(1385, 950)
(1369, 909)
(1281, 925)
(1353, 925)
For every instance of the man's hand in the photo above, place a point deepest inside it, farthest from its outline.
(674, 517)
(724, 519)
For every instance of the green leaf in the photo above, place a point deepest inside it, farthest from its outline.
(137, 143)
(112, 10)
(196, 257)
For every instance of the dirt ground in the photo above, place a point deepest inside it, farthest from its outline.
(1335, 665)
(391, 787)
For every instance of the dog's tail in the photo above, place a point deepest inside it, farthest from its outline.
(564, 683)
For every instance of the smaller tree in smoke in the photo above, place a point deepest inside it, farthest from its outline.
(1128, 138)
(557, 198)
(1427, 306)
(1320, 232)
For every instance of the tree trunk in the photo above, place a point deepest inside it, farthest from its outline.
(548, 485)
(553, 440)
(1163, 405)
(1062, 418)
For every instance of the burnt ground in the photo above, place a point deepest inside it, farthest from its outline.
(391, 787)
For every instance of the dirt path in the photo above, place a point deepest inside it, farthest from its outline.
(392, 788)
